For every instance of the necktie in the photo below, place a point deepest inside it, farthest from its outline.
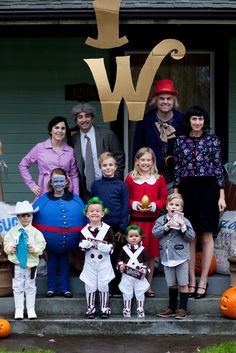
(22, 248)
(89, 166)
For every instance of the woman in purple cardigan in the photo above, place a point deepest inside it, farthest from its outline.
(48, 155)
(199, 178)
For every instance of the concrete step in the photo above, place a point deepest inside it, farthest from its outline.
(63, 316)
(216, 285)
(66, 317)
(77, 306)
(116, 325)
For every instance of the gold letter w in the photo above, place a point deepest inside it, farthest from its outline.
(124, 88)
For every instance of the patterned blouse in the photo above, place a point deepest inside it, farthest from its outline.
(198, 156)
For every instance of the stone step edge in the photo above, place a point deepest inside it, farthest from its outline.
(111, 298)
(119, 317)
(197, 324)
(77, 306)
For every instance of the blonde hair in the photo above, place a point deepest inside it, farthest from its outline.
(153, 102)
(173, 196)
(136, 171)
(104, 156)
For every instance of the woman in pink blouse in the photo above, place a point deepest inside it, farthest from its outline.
(48, 155)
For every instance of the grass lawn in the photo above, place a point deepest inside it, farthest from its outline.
(227, 347)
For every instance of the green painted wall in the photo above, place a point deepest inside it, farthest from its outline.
(232, 100)
(33, 73)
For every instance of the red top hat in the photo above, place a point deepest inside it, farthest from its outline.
(165, 86)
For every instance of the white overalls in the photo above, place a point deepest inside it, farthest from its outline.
(97, 271)
(130, 285)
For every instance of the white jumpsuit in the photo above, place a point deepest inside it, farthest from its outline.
(97, 271)
(130, 285)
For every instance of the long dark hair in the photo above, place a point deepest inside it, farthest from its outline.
(196, 111)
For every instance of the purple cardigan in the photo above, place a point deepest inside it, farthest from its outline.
(47, 159)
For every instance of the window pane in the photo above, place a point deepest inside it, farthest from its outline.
(192, 79)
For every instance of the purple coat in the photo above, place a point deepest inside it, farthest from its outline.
(47, 159)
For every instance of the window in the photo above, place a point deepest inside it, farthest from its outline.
(193, 79)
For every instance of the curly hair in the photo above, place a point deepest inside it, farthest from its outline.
(95, 201)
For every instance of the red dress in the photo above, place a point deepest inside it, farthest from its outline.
(156, 191)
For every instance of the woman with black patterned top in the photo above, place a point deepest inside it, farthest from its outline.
(199, 178)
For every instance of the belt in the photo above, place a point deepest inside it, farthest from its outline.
(57, 229)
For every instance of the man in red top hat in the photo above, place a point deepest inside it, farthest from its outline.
(160, 127)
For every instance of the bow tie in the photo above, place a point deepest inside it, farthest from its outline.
(166, 130)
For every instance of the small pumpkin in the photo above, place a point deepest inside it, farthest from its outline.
(228, 303)
(198, 264)
(145, 201)
(5, 328)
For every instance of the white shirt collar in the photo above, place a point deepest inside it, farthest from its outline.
(90, 133)
(150, 181)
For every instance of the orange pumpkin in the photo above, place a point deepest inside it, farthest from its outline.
(228, 303)
(198, 265)
(5, 328)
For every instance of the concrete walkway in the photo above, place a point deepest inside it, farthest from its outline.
(108, 344)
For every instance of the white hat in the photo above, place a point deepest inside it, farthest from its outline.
(24, 207)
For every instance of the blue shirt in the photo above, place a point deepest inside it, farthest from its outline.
(114, 194)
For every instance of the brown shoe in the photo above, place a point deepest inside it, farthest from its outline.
(167, 312)
(181, 314)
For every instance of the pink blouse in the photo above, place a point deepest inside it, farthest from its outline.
(47, 159)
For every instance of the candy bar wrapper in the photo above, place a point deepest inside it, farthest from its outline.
(175, 217)
(134, 272)
(96, 241)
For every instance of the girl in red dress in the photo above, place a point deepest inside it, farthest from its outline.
(144, 180)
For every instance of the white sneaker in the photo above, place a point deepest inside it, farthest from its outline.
(140, 313)
(90, 313)
(126, 313)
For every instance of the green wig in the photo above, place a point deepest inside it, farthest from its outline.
(134, 227)
(95, 201)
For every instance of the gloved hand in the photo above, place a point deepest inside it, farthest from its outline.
(106, 248)
(85, 244)
(144, 269)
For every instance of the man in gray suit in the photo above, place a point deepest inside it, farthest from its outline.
(102, 140)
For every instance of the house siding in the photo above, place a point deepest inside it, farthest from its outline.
(232, 100)
(33, 74)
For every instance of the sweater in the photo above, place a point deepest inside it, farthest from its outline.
(114, 194)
